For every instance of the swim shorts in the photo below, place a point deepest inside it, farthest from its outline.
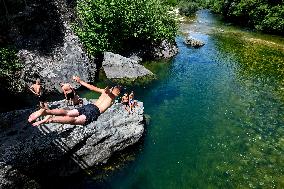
(42, 98)
(70, 96)
(91, 111)
(125, 103)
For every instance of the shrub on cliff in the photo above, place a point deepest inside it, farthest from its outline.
(121, 25)
(9, 68)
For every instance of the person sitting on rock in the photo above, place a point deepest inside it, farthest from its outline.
(79, 116)
(38, 90)
(125, 101)
(132, 102)
(70, 95)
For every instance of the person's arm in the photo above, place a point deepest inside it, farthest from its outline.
(87, 85)
(72, 89)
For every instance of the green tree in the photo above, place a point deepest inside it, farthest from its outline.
(10, 67)
(120, 25)
(267, 16)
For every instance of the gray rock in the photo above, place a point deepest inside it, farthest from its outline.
(165, 50)
(193, 42)
(117, 66)
(65, 59)
(58, 149)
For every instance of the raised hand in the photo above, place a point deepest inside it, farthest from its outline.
(77, 79)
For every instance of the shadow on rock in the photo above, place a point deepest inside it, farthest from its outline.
(34, 157)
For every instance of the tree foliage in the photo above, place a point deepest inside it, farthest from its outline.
(119, 25)
(9, 62)
(263, 15)
(187, 8)
(10, 67)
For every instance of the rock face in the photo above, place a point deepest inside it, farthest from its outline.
(193, 42)
(60, 150)
(117, 66)
(49, 48)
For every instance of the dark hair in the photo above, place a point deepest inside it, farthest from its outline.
(118, 87)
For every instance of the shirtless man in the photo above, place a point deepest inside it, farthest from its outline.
(38, 91)
(83, 115)
(69, 93)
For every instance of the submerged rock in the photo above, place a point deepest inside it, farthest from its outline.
(193, 42)
(60, 150)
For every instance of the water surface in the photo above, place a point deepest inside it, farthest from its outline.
(217, 116)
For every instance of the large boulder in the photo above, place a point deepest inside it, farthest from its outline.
(118, 67)
(48, 47)
(60, 150)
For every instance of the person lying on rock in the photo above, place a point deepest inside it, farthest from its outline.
(80, 116)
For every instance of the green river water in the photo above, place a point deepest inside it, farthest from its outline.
(217, 115)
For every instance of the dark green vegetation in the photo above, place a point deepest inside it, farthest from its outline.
(264, 15)
(9, 68)
(186, 7)
(123, 25)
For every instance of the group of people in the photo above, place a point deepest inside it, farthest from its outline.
(129, 102)
(78, 116)
(70, 95)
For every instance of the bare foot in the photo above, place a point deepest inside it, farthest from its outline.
(36, 114)
(45, 120)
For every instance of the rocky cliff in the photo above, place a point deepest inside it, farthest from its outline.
(60, 150)
(62, 57)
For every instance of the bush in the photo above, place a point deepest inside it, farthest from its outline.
(120, 25)
(9, 62)
(263, 15)
(187, 8)
(170, 2)
(9, 69)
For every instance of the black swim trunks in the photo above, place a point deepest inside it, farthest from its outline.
(125, 103)
(70, 96)
(42, 98)
(91, 111)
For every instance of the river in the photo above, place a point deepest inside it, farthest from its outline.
(217, 114)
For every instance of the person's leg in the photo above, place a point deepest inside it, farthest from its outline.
(41, 105)
(57, 112)
(45, 105)
(79, 120)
